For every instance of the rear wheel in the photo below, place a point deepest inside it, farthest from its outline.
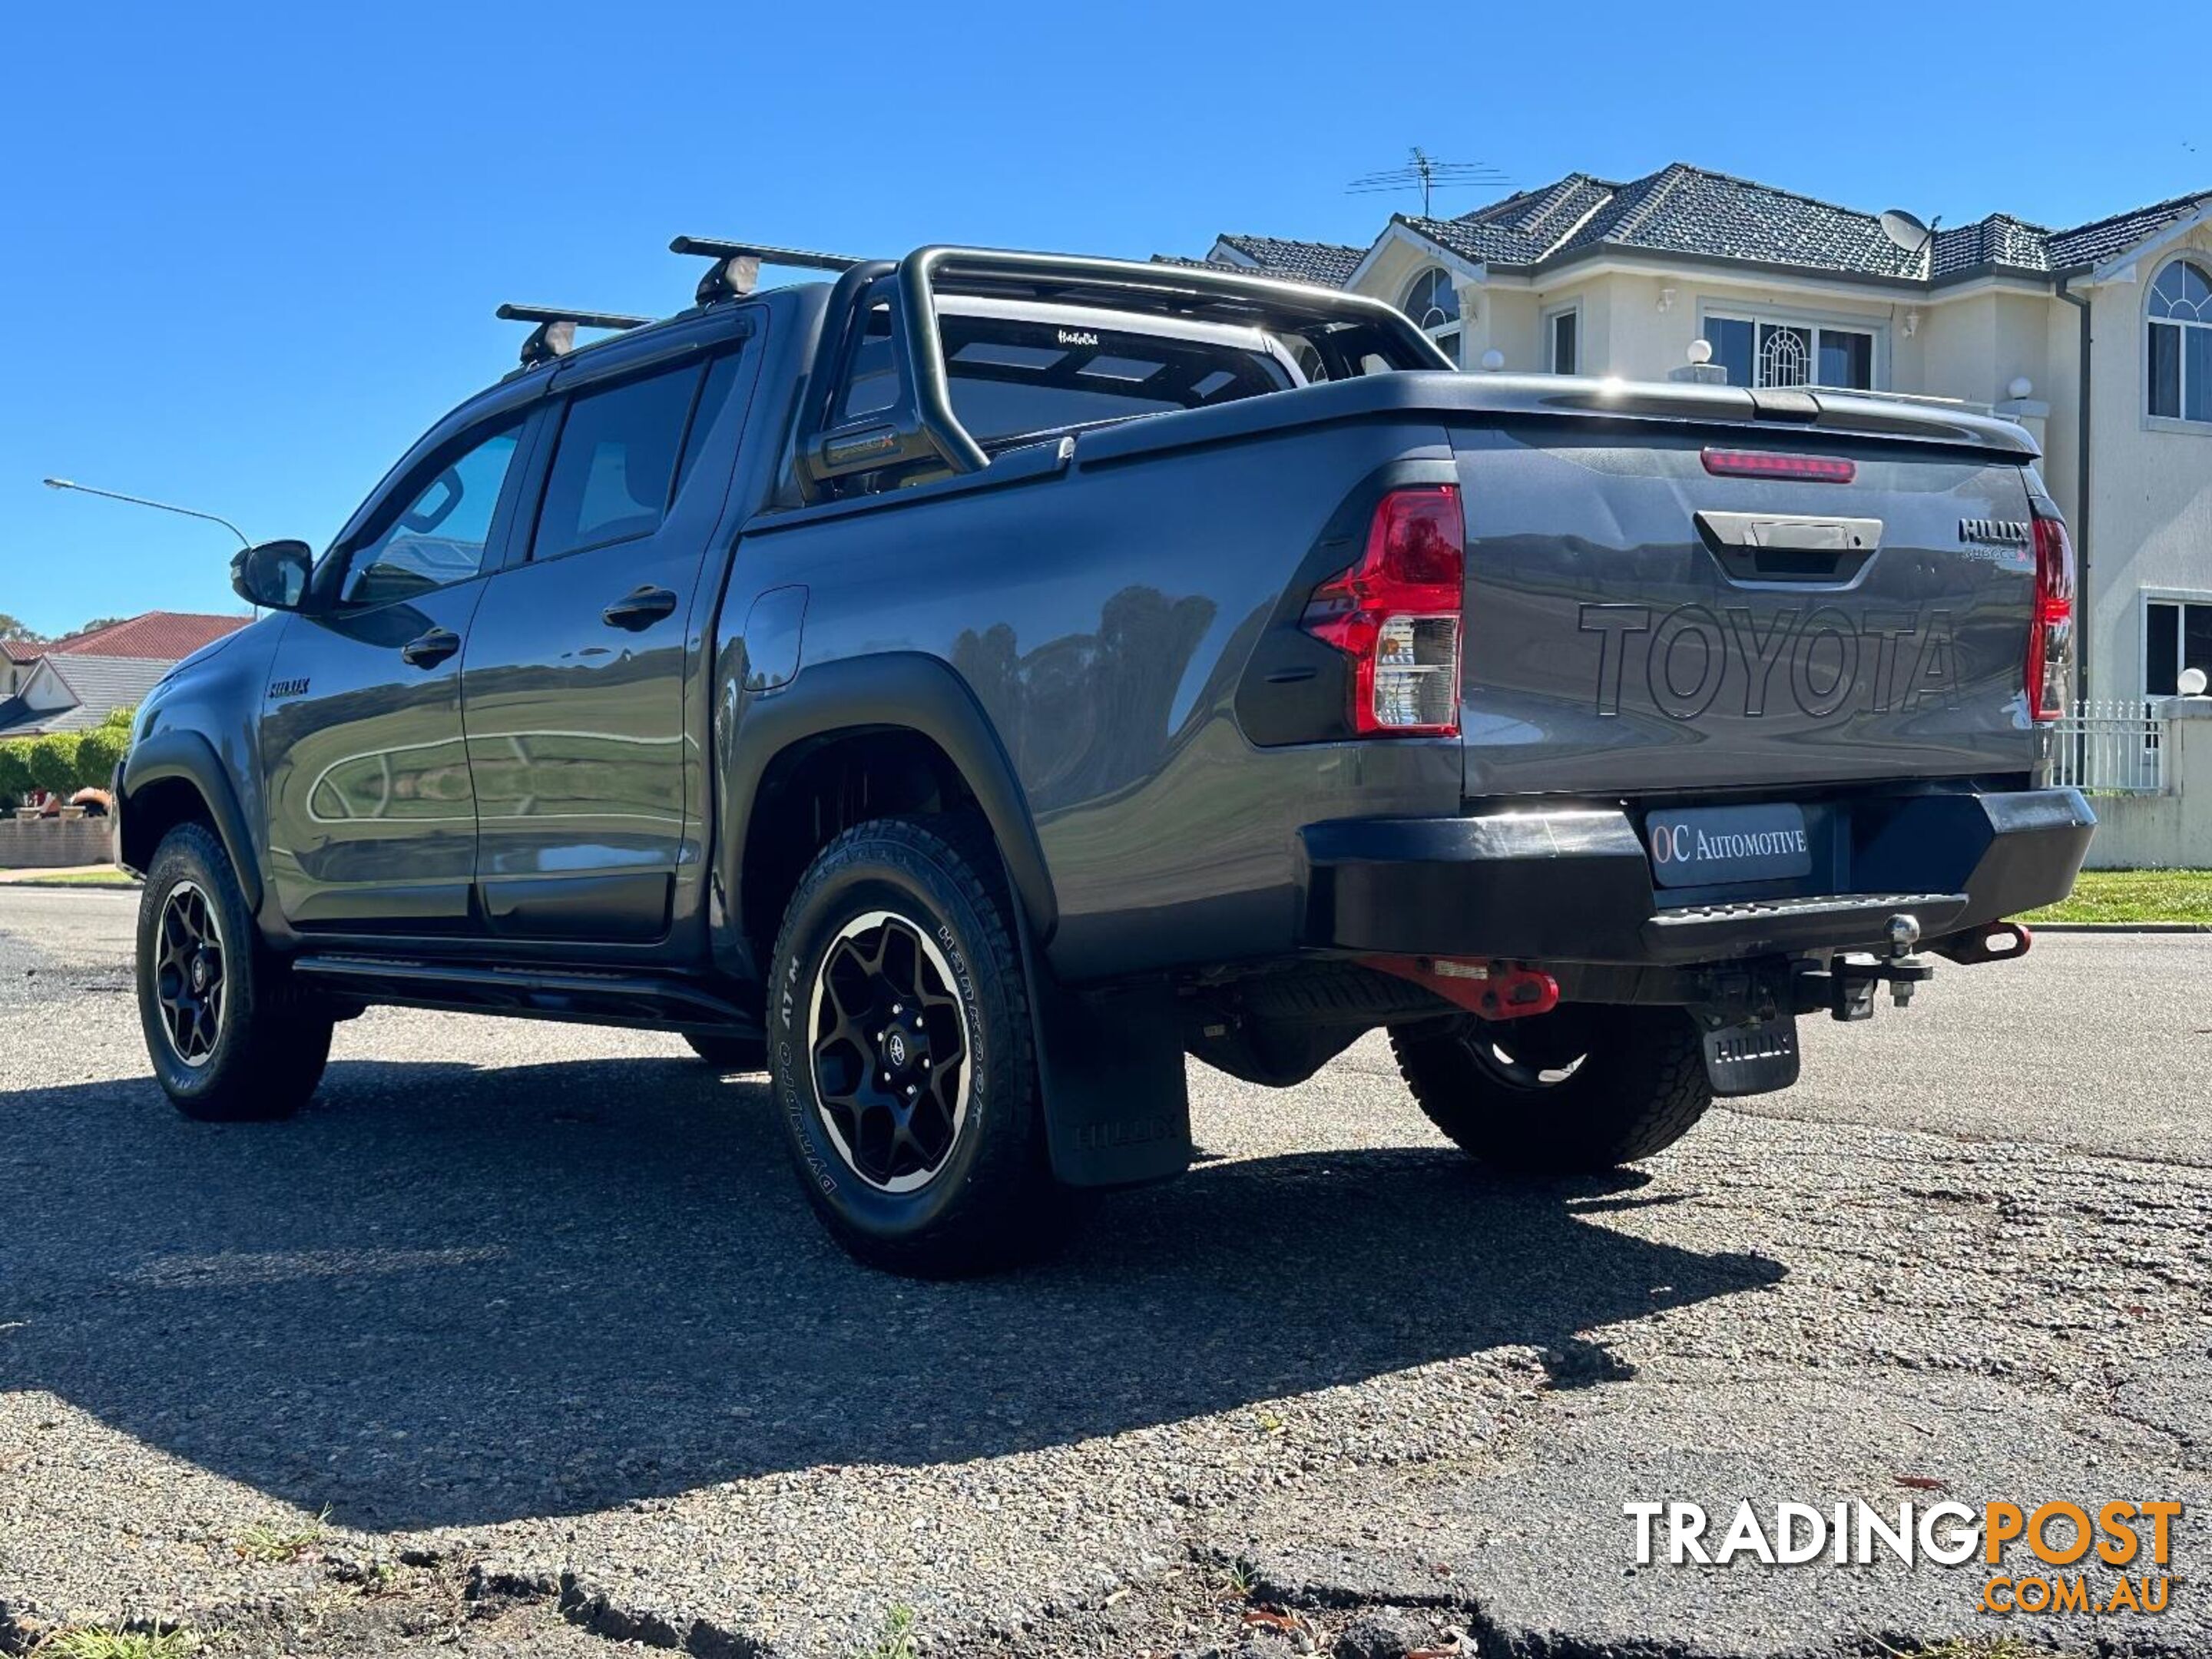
(1582, 1088)
(901, 1054)
(229, 1039)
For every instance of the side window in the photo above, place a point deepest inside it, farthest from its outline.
(614, 469)
(439, 539)
(721, 376)
(872, 375)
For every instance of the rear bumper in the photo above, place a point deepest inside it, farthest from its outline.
(1575, 885)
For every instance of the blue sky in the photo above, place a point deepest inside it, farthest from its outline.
(250, 252)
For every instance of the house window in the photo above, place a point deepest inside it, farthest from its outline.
(1564, 339)
(1433, 302)
(2181, 344)
(2178, 635)
(1781, 351)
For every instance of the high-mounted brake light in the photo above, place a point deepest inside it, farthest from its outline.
(2051, 637)
(1396, 615)
(1766, 463)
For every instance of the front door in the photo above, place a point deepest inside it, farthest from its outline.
(580, 655)
(371, 815)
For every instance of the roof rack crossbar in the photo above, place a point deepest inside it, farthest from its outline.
(736, 271)
(556, 333)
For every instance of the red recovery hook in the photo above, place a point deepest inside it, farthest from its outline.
(1994, 941)
(1487, 989)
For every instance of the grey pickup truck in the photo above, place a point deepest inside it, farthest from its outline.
(965, 686)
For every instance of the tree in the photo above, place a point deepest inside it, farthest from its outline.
(53, 763)
(98, 752)
(15, 773)
(99, 622)
(12, 630)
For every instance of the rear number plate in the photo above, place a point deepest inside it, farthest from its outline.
(1716, 846)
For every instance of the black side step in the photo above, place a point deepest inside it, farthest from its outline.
(653, 1002)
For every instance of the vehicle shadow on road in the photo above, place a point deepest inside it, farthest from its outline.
(444, 1296)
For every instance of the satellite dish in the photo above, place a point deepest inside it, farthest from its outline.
(2191, 682)
(1905, 230)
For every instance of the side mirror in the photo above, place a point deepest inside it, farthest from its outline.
(273, 575)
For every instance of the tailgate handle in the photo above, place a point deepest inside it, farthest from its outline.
(1780, 547)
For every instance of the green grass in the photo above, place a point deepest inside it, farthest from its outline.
(897, 1640)
(271, 1542)
(98, 1644)
(2127, 895)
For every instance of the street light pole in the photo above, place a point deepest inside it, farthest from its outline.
(140, 501)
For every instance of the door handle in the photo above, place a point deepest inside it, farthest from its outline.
(640, 608)
(431, 649)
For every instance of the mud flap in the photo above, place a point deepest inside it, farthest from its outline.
(1752, 1057)
(1110, 1067)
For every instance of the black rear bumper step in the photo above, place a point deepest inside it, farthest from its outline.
(650, 1001)
(1839, 921)
(1575, 885)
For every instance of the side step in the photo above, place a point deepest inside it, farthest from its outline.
(653, 1002)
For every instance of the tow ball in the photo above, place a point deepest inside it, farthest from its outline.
(1846, 987)
(1488, 989)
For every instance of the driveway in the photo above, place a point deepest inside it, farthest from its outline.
(538, 1318)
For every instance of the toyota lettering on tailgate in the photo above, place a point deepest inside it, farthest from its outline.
(1820, 661)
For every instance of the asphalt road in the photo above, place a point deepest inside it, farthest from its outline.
(538, 1317)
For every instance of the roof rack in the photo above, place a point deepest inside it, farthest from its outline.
(736, 271)
(556, 333)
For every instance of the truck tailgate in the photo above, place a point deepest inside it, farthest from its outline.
(1643, 619)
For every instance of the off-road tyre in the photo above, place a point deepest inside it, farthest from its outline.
(970, 1188)
(729, 1054)
(256, 1052)
(1638, 1085)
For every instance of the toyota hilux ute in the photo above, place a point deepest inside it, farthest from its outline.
(967, 687)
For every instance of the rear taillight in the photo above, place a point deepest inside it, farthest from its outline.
(1396, 615)
(2051, 639)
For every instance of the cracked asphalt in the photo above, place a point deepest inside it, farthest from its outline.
(537, 1318)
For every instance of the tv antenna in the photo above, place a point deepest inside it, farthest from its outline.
(1424, 172)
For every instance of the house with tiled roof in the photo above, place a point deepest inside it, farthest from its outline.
(2097, 337)
(170, 635)
(74, 684)
(17, 658)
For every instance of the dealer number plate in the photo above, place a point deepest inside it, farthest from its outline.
(1716, 846)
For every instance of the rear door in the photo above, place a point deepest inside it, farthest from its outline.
(580, 662)
(372, 823)
(1661, 610)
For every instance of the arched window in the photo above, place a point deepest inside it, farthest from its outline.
(1433, 302)
(2181, 357)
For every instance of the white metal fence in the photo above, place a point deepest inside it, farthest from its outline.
(2112, 749)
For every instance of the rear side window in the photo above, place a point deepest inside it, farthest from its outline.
(614, 469)
(871, 375)
(1011, 377)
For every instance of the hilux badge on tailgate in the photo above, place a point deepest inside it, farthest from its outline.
(1995, 532)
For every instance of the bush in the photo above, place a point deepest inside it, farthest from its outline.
(98, 752)
(15, 775)
(53, 763)
(121, 717)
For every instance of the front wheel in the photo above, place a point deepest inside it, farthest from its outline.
(229, 1040)
(901, 1054)
(1583, 1088)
